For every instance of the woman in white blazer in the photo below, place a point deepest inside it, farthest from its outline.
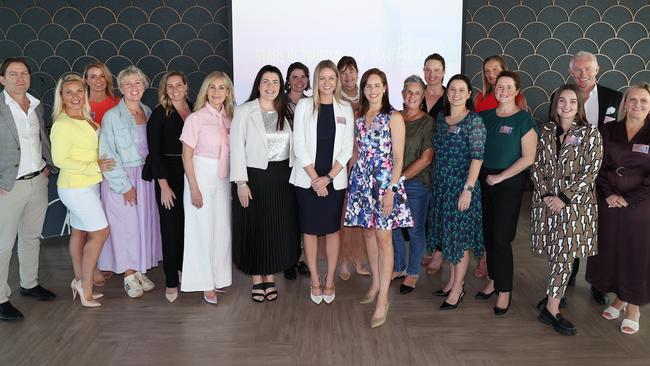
(323, 141)
(265, 236)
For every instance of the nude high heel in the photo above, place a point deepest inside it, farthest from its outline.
(84, 302)
(73, 286)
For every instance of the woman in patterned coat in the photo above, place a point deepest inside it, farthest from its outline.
(564, 207)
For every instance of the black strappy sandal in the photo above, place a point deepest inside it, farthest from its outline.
(258, 296)
(269, 294)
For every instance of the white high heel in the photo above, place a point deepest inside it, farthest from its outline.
(84, 302)
(328, 298)
(631, 324)
(96, 295)
(316, 299)
(611, 313)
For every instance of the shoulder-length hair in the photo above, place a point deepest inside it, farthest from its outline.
(59, 107)
(280, 102)
(621, 109)
(580, 117)
(202, 96)
(163, 98)
(296, 66)
(487, 87)
(326, 64)
(446, 106)
(512, 75)
(107, 75)
(364, 103)
(133, 70)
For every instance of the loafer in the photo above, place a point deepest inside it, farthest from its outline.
(303, 269)
(598, 296)
(9, 313)
(39, 292)
(541, 305)
(290, 273)
(561, 325)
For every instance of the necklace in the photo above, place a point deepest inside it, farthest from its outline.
(351, 99)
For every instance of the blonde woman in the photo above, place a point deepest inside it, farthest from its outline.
(75, 152)
(134, 245)
(207, 259)
(101, 96)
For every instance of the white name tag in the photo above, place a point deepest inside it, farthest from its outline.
(453, 129)
(506, 130)
(640, 148)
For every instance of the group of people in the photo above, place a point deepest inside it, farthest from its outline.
(204, 184)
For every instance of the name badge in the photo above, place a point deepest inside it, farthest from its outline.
(340, 120)
(640, 148)
(454, 129)
(505, 129)
(573, 140)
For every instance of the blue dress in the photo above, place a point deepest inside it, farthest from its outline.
(370, 178)
(455, 147)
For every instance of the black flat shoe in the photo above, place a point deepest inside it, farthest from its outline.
(303, 269)
(447, 306)
(541, 305)
(9, 313)
(499, 311)
(598, 296)
(483, 296)
(404, 289)
(38, 292)
(441, 293)
(561, 325)
(290, 273)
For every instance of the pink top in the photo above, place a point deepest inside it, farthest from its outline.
(207, 131)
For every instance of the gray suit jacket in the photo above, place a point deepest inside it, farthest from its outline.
(10, 145)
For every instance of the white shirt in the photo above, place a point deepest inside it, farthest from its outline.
(31, 156)
(591, 107)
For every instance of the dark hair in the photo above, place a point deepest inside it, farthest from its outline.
(386, 108)
(446, 107)
(10, 60)
(280, 102)
(345, 62)
(510, 74)
(437, 57)
(296, 66)
(580, 117)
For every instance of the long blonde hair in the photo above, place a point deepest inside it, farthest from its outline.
(622, 114)
(59, 107)
(163, 98)
(325, 64)
(202, 96)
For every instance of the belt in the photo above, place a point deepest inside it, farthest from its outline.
(31, 175)
(173, 155)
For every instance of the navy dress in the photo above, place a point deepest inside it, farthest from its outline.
(322, 215)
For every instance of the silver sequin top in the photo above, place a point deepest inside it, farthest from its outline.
(278, 142)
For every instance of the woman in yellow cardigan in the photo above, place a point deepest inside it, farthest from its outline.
(75, 149)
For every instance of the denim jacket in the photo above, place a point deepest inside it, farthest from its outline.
(118, 139)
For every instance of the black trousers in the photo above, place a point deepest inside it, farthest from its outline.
(501, 204)
(172, 222)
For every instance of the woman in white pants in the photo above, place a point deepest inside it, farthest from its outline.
(207, 259)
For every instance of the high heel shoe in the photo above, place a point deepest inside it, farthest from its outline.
(447, 306)
(378, 322)
(632, 325)
(328, 298)
(171, 296)
(368, 299)
(84, 302)
(500, 311)
(440, 293)
(484, 296)
(73, 286)
(316, 299)
(361, 269)
(611, 313)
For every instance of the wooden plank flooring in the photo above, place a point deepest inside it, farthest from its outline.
(293, 331)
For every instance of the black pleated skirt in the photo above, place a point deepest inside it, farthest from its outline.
(265, 235)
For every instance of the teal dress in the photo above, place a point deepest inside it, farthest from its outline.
(455, 147)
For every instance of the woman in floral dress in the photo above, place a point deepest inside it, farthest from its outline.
(376, 195)
(455, 221)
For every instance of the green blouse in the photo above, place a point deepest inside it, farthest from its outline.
(503, 141)
(419, 135)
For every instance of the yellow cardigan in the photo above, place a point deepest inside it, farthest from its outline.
(75, 150)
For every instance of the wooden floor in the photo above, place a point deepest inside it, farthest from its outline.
(293, 331)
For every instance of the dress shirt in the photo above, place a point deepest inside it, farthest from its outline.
(31, 157)
(591, 107)
(206, 131)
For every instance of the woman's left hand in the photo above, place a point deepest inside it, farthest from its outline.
(319, 183)
(493, 179)
(387, 202)
(464, 200)
(554, 203)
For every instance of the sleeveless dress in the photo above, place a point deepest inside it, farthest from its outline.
(370, 178)
(450, 229)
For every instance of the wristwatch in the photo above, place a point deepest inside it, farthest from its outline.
(468, 188)
(394, 187)
(330, 178)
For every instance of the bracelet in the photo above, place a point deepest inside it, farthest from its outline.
(468, 188)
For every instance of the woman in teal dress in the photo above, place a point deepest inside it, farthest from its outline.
(455, 221)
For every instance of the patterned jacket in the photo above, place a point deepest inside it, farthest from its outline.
(570, 175)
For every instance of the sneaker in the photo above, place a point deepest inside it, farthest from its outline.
(145, 282)
(132, 286)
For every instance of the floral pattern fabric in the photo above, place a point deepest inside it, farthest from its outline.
(455, 147)
(370, 178)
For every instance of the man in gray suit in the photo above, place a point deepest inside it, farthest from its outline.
(24, 159)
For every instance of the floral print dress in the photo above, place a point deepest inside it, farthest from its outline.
(370, 179)
(450, 229)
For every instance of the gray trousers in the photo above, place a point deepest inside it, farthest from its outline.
(22, 212)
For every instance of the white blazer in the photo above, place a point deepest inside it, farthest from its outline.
(304, 141)
(248, 146)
